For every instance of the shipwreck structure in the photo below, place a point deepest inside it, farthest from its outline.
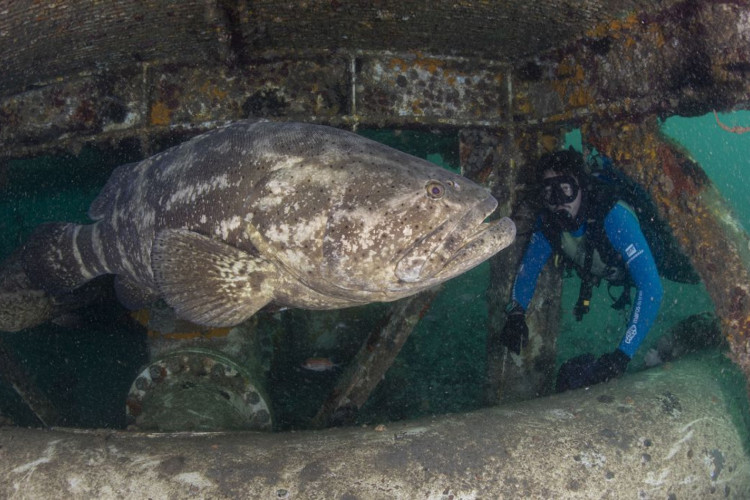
(510, 80)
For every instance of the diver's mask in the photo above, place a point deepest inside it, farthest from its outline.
(560, 190)
(559, 194)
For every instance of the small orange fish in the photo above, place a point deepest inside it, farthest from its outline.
(319, 364)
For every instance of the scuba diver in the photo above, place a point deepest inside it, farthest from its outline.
(598, 234)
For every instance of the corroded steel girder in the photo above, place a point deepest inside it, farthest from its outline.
(664, 58)
(41, 41)
(500, 159)
(372, 361)
(687, 58)
(703, 224)
(149, 101)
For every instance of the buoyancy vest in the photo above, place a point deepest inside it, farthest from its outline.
(591, 254)
(610, 185)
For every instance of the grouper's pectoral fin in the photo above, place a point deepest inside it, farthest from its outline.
(209, 282)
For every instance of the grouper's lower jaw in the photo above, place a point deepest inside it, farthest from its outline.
(488, 239)
(430, 253)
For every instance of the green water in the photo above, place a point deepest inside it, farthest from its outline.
(723, 155)
(725, 159)
(86, 369)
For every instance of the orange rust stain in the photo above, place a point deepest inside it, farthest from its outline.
(523, 105)
(578, 75)
(210, 334)
(431, 65)
(398, 63)
(549, 143)
(214, 91)
(416, 107)
(673, 170)
(135, 406)
(598, 31)
(160, 114)
(580, 97)
(566, 68)
(631, 21)
(571, 86)
(654, 31)
(141, 316)
(484, 174)
(615, 28)
(217, 332)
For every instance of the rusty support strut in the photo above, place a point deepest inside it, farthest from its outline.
(701, 220)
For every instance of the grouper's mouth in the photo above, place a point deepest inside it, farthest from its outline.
(456, 246)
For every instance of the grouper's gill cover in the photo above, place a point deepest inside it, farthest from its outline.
(258, 212)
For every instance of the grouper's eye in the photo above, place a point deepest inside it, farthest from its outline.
(435, 189)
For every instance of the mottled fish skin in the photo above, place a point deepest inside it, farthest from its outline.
(258, 212)
(24, 306)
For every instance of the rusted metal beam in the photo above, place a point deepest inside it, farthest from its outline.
(702, 222)
(95, 35)
(690, 57)
(14, 374)
(347, 89)
(685, 58)
(372, 361)
(504, 160)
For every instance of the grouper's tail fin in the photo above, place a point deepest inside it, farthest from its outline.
(57, 257)
(21, 306)
(24, 306)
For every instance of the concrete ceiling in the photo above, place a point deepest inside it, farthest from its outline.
(44, 41)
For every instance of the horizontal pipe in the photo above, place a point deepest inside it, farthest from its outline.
(664, 433)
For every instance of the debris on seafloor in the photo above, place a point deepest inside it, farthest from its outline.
(14, 374)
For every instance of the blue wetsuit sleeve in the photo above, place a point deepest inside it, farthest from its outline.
(536, 255)
(623, 231)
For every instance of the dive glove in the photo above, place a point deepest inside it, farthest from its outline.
(585, 370)
(515, 334)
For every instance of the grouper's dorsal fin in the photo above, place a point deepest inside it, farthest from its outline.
(209, 282)
(105, 200)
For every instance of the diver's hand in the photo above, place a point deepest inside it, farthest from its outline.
(611, 365)
(515, 334)
(585, 370)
